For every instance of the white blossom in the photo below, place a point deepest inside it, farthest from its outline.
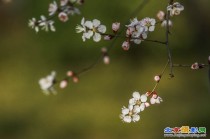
(175, 8)
(91, 28)
(128, 115)
(63, 16)
(155, 99)
(33, 24)
(53, 7)
(46, 83)
(157, 78)
(126, 45)
(46, 24)
(148, 23)
(139, 101)
(63, 2)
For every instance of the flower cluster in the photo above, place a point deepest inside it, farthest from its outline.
(138, 31)
(63, 10)
(137, 104)
(47, 83)
(91, 28)
(69, 74)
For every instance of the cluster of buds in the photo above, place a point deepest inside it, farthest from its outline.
(137, 104)
(63, 10)
(115, 29)
(196, 66)
(69, 74)
(105, 55)
(162, 17)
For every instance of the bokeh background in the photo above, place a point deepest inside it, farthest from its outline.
(91, 108)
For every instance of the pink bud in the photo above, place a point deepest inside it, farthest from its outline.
(161, 15)
(115, 26)
(147, 104)
(75, 79)
(157, 78)
(104, 50)
(70, 73)
(155, 95)
(126, 45)
(63, 17)
(107, 37)
(195, 66)
(63, 84)
(209, 60)
(106, 60)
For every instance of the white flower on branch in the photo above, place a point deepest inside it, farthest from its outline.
(155, 99)
(148, 23)
(139, 101)
(175, 9)
(128, 115)
(46, 24)
(91, 28)
(53, 7)
(46, 83)
(34, 24)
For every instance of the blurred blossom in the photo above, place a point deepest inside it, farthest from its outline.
(155, 99)
(175, 9)
(46, 83)
(63, 17)
(115, 26)
(53, 7)
(161, 15)
(63, 84)
(197, 66)
(164, 23)
(126, 45)
(157, 78)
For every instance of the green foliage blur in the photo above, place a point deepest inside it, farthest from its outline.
(91, 108)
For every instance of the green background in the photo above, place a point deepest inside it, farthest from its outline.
(91, 108)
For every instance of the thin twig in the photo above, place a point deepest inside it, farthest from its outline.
(161, 75)
(188, 66)
(139, 8)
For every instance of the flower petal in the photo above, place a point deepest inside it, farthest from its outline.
(97, 37)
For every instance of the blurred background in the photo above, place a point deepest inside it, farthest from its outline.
(91, 108)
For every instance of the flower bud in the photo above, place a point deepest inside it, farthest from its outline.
(164, 23)
(106, 59)
(161, 15)
(63, 84)
(108, 37)
(75, 79)
(157, 78)
(63, 17)
(197, 66)
(104, 50)
(209, 60)
(115, 26)
(70, 73)
(126, 45)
